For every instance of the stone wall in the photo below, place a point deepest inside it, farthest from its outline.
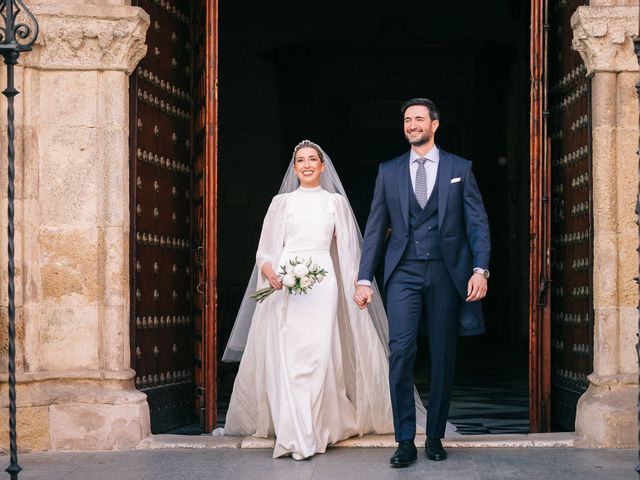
(607, 413)
(75, 388)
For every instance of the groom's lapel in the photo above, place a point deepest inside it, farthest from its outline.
(445, 168)
(403, 187)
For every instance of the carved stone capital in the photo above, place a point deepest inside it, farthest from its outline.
(88, 37)
(604, 38)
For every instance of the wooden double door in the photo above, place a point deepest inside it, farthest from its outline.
(172, 207)
(173, 200)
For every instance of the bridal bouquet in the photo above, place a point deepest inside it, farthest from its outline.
(298, 276)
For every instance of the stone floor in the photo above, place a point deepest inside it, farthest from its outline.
(483, 403)
(337, 463)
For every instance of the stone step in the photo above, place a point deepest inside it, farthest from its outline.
(539, 440)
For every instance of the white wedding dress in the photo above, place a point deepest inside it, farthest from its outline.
(304, 375)
(304, 372)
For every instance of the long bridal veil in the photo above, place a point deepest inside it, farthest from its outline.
(330, 181)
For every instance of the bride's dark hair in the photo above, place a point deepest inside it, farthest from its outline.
(308, 144)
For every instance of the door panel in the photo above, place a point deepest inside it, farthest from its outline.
(205, 175)
(539, 274)
(571, 300)
(162, 289)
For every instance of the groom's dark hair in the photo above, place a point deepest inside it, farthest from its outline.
(434, 111)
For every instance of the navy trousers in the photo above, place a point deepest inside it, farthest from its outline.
(414, 288)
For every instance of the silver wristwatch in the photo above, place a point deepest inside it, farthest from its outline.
(482, 271)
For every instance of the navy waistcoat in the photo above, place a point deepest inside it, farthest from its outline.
(424, 243)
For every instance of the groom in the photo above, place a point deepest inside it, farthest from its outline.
(436, 264)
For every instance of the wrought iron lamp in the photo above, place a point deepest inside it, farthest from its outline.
(18, 32)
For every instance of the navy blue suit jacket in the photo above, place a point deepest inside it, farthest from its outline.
(463, 227)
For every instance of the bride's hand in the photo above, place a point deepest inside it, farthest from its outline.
(269, 274)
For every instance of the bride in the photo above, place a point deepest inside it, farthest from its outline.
(314, 368)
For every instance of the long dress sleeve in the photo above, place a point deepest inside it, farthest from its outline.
(271, 236)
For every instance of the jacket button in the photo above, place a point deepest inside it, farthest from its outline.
(428, 254)
(417, 242)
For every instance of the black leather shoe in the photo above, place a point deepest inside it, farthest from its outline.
(405, 455)
(435, 450)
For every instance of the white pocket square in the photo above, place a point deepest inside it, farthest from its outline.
(456, 180)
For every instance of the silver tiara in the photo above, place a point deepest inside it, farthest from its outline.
(306, 143)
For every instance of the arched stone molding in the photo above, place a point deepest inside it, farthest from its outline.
(89, 37)
(604, 38)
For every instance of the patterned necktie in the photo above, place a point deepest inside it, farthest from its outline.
(422, 194)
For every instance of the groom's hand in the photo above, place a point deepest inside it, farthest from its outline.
(363, 296)
(476, 288)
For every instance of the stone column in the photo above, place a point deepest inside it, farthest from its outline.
(607, 414)
(75, 387)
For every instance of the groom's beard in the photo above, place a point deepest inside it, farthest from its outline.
(421, 140)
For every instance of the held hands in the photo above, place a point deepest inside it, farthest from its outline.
(363, 296)
(269, 274)
(476, 288)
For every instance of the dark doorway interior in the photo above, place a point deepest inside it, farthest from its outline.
(337, 73)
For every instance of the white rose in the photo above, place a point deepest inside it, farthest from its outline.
(300, 270)
(288, 281)
(289, 268)
(305, 282)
